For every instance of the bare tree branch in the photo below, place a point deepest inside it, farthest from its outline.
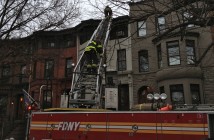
(188, 12)
(20, 18)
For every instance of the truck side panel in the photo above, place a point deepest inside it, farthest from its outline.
(118, 125)
(185, 126)
(38, 127)
(131, 126)
(68, 126)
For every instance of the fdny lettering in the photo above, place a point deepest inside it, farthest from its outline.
(68, 126)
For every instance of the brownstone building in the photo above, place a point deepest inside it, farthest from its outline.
(175, 61)
(55, 55)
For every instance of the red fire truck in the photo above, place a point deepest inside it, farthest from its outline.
(93, 124)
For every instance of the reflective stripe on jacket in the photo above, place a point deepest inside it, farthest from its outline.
(91, 46)
(99, 49)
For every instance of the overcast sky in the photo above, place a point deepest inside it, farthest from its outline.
(94, 9)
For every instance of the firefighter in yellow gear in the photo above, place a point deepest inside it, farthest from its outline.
(92, 51)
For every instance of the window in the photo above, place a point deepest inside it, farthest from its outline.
(121, 59)
(66, 41)
(143, 61)
(110, 81)
(187, 17)
(162, 90)
(159, 56)
(120, 30)
(3, 104)
(69, 67)
(23, 70)
(161, 24)
(141, 28)
(173, 53)
(49, 68)
(6, 71)
(51, 44)
(47, 99)
(190, 51)
(177, 94)
(23, 73)
(70, 43)
(195, 93)
(120, 33)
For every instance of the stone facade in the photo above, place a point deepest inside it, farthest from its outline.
(183, 81)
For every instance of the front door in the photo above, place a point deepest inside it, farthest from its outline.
(47, 99)
(123, 97)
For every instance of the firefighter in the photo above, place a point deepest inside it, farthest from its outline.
(108, 11)
(92, 51)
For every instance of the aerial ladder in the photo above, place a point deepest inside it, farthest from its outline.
(86, 88)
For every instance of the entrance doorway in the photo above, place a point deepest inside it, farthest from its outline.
(123, 97)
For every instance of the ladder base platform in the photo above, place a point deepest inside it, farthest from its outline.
(81, 103)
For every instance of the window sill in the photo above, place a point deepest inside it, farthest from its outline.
(124, 72)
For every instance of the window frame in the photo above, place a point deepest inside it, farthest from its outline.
(178, 88)
(23, 69)
(110, 81)
(175, 55)
(186, 18)
(161, 27)
(141, 54)
(120, 33)
(4, 69)
(121, 61)
(68, 67)
(3, 101)
(195, 88)
(69, 43)
(51, 44)
(193, 58)
(162, 89)
(50, 70)
(47, 99)
(120, 30)
(142, 27)
(159, 56)
(23, 72)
